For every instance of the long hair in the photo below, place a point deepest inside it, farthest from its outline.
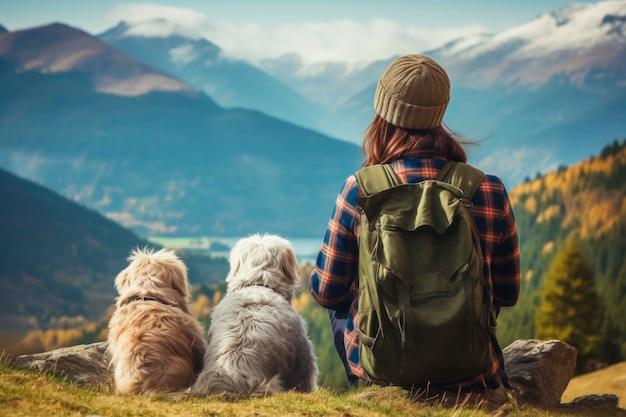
(384, 142)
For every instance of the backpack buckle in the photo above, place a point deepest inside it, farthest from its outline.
(466, 202)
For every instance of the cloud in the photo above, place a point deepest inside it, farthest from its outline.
(348, 41)
(177, 20)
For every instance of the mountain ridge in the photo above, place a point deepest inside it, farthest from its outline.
(585, 41)
(70, 259)
(167, 162)
(231, 82)
(59, 48)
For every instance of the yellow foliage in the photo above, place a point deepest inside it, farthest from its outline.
(531, 204)
(201, 306)
(595, 209)
(52, 338)
(529, 275)
(548, 248)
(217, 296)
(69, 331)
(302, 301)
(550, 212)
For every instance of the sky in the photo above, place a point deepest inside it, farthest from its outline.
(351, 31)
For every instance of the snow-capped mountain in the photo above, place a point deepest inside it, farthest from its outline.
(202, 64)
(583, 43)
(547, 93)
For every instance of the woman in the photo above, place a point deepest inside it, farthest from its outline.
(411, 98)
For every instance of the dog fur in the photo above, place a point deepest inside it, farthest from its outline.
(155, 345)
(257, 343)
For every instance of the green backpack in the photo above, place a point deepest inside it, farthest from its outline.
(424, 313)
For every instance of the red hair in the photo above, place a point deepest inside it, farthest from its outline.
(384, 142)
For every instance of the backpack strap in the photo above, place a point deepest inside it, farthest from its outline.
(462, 176)
(376, 178)
(468, 179)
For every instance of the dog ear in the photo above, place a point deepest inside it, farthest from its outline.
(235, 258)
(122, 281)
(289, 266)
(175, 272)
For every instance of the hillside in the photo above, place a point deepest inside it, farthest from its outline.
(163, 162)
(56, 255)
(611, 379)
(587, 201)
(58, 263)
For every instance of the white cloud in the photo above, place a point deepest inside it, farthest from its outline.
(181, 21)
(183, 54)
(348, 41)
(344, 40)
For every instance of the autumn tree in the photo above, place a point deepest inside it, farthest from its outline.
(570, 305)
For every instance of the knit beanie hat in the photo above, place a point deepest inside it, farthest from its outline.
(413, 93)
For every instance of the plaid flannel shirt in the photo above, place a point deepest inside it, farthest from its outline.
(334, 280)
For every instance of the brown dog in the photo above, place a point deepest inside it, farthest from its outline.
(155, 344)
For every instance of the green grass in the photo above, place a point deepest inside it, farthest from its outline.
(29, 393)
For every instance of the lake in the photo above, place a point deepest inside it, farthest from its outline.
(306, 248)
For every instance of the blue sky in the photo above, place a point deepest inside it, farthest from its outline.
(326, 30)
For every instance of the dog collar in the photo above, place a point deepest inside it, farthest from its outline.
(140, 298)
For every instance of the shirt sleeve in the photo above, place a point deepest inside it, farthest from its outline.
(336, 266)
(505, 268)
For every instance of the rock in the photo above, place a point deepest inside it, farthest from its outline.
(539, 370)
(595, 401)
(83, 364)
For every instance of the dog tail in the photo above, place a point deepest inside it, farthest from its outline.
(265, 387)
(236, 388)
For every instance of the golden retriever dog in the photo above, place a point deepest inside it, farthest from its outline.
(155, 345)
(257, 343)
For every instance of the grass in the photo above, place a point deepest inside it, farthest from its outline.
(29, 393)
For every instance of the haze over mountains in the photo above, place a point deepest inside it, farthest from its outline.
(167, 135)
(162, 162)
(543, 88)
(200, 63)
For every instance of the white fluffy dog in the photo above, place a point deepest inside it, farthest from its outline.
(257, 343)
(155, 345)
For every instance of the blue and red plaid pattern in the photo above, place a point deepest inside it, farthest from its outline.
(334, 281)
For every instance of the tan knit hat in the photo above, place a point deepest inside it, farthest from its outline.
(413, 93)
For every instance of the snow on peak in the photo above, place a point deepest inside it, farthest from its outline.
(160, 28)
(573, 27)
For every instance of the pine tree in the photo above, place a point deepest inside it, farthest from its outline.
(570, 304)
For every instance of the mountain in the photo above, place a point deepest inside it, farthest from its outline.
(60, 49)
(164, 162)
(532, 95)
(202, 64)
(548, 93)
(585, 201)
(583, 44)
